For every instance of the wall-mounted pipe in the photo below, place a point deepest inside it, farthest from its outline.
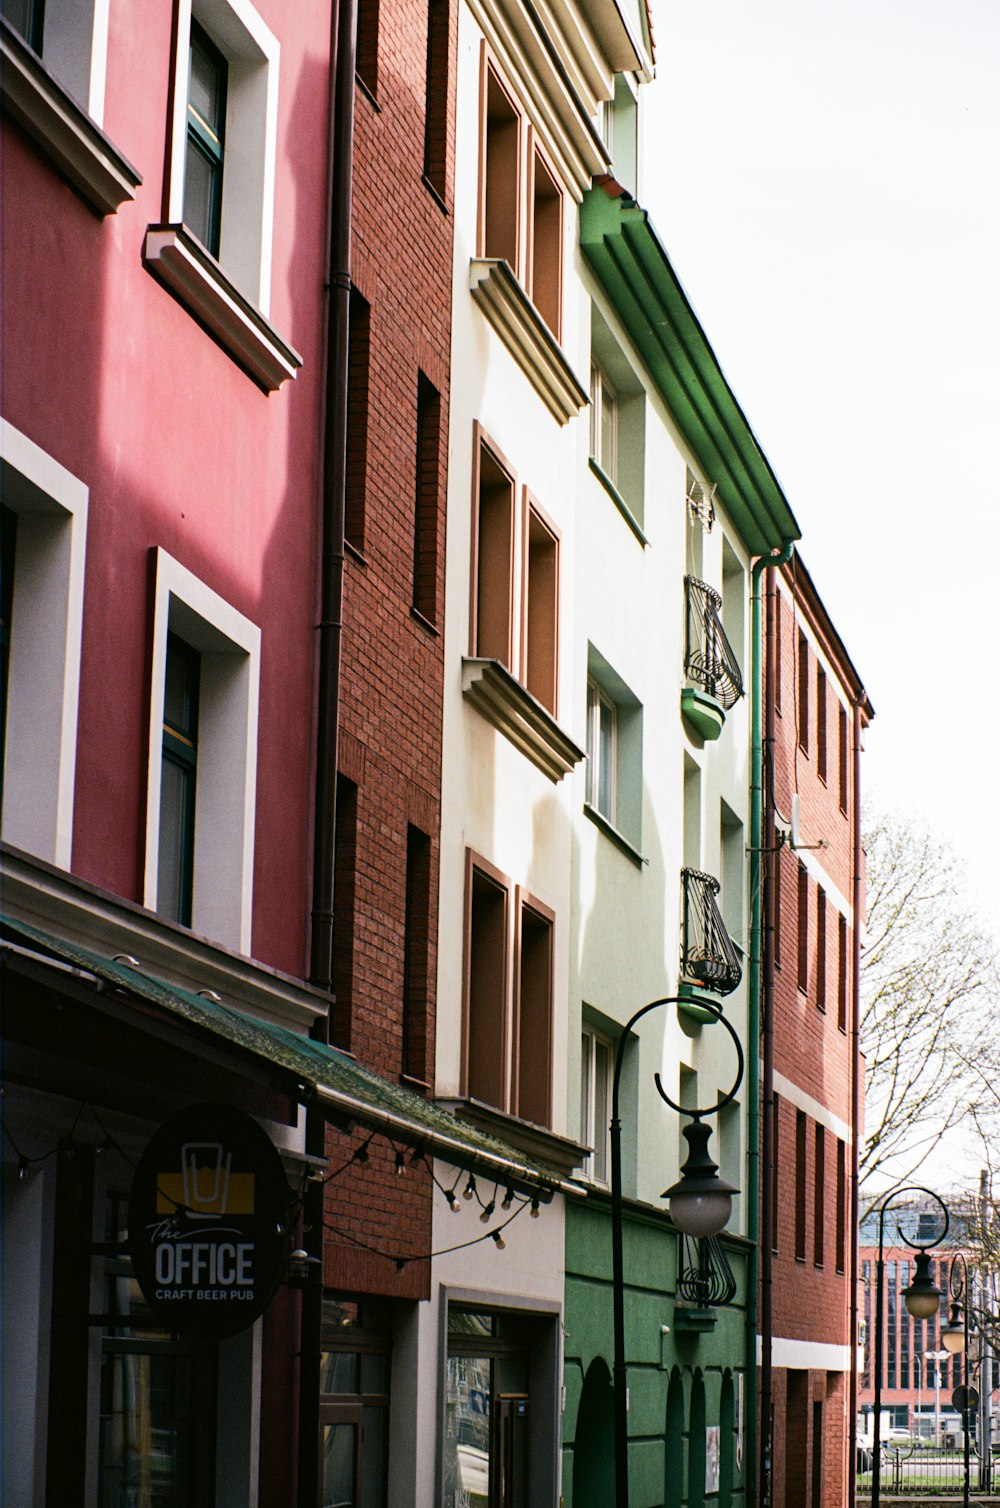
(758, 1237)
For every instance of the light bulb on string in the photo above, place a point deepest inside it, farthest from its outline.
(508, 1200)
(500, 1242)
(487, 1212)
(470, 1188)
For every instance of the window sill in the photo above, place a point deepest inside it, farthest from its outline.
(515, 713)
(528, 338)
(425, 623)
(355, 552)
(179, 261)
(619, 501)
(541, 1144)
(78, 147)
(617, 838)
(435, 194)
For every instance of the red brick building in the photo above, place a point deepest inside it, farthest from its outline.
(817, 711)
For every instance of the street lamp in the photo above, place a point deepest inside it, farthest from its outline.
(955, 1338)
(700, 1203)
(921, 1299)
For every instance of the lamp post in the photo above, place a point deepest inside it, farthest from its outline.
(700, 1203)
(939, 1357)
(955, 1339)
(921, 1299)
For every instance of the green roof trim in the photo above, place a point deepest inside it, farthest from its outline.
(341, 1083)
(632, 266)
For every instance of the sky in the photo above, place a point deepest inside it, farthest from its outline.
(827, 186)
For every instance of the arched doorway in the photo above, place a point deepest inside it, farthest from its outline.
(594, 1445)
(696, 1444)
(727, 1440)
(673, 1476)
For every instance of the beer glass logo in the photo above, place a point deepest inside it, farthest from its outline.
(206, 1188)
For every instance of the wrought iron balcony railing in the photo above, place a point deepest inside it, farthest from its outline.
(706, 1278)
(708, 655)
(707, 953)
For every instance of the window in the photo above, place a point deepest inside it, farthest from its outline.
(345, 934)
(775, 1171)
(55, 60)
(732, 853)
(800, 1186)
(416, 954)
(841, 1239)
(206, 130)
(436, 99)
(178, 780)
(803, 929)
(356, 462)
(427, 500)
(819, 1198)
(355, 1366)
(507, 538)
(617, 422)
(734, 585)
(192, 626)
(821, 723)
(366, 53)
(520, 201)
(842, 972)
(776, 884)
(214, 251)
(596, 1068)
(45, 531)
(614, 752)
(803, 697)
(8, 544)
(820, 948)
(778, 615)
(842, 756)
(619, 129)
(692, 813)
(508, 996)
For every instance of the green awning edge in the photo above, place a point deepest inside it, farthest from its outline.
(623, 250)
(341, 1085)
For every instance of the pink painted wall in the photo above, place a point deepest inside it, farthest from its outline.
(114, 378)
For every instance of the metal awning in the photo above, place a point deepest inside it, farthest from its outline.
(340, 1084)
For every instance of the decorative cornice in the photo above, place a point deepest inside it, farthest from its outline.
(180, 262)
(625, 253)
(515, 713)
(526, 335)
(78, 147)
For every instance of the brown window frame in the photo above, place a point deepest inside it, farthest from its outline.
(521, 206)
(821, 693)
(522, 1032)
(436, 90)
(775, 1169)
(802, 664)
(819, 1197)
(841, 1236)
(524, 557)
(842, 962)
(417, 943)
(778, 615)
(801, 1174)
(803, 929)
(821, 948)
(358, 406)
(427, 501)
(842, 761)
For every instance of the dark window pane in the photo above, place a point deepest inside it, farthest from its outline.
(172, 870)
(199, 193)
(339, 1448)
(339, 1372)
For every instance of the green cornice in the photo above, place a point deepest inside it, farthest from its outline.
(630, 262)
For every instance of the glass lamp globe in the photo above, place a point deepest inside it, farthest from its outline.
(704, 1214)
(922, 1299)
(953, 1333)
(700, 1202)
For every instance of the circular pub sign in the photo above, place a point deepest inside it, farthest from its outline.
(208, 1220)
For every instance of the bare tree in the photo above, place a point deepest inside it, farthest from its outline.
(930, 989)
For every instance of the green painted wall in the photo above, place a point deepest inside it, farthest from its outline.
(668, 1373)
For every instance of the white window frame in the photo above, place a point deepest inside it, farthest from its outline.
(597, 700)
(226, 793)
(590, 1132)
(253, 52)
(603, 401)
(44, 670)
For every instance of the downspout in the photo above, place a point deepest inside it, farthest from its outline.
(343, 46)
(333, 448)
(750, 1422)
(857, 900)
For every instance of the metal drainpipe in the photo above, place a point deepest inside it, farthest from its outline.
(333, 448)
(343, 46)
(856, 906)
(753, 1002)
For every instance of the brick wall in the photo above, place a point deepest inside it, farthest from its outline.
(392, 676)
